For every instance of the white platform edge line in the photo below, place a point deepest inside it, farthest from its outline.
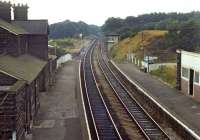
(158, 104)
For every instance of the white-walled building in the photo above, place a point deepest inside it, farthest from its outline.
(188, 69)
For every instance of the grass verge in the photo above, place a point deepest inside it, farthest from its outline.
(166, 74)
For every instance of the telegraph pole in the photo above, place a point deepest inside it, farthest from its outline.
(142, 46)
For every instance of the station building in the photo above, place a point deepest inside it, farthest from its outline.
(26, 69)
(188, 69)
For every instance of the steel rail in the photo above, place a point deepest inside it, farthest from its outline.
(83, 102)
(104, 125)
(146, 124)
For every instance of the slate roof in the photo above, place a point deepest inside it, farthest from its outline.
(39, 27)
(25, 67)
(12, 28)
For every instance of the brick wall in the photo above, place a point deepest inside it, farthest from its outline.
(184, 86)
(196, 92)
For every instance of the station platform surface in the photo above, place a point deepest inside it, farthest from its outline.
(184, 108)
(58, 117)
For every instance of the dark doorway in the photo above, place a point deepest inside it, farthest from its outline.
(191, 82)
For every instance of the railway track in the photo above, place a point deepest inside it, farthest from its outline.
(149, 128)
(125, 124)
(103, 123)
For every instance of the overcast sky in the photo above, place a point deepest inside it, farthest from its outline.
(97, 11)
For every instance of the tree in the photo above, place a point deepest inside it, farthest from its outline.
(112, 25)
(190, 36)
(72, 29)
(186, 36)
(161, 21)
(172, 39)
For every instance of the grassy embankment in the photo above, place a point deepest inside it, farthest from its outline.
(153, 42)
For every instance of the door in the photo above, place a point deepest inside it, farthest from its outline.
(191, 82)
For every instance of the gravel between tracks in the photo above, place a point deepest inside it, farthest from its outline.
(126, 126)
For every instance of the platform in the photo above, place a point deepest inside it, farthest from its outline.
(180, 106)
(58, 117)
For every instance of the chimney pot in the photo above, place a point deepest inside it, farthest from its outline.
(20, 12)
(5, 11)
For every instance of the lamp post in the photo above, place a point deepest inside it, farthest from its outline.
(81, 37)
(81, 44)
(144, 51)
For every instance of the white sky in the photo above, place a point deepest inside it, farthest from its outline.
(97, 11)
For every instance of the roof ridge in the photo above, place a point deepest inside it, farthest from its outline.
(26, 68)
(11, 27)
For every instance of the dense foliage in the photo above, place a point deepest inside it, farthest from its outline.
(186, 37)
(155, 21)
(72, 29)
(183, 29)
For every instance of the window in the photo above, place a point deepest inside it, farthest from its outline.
(185, 72)
(196, 77)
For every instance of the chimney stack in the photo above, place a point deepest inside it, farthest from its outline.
(20, 12)
(5, 11)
